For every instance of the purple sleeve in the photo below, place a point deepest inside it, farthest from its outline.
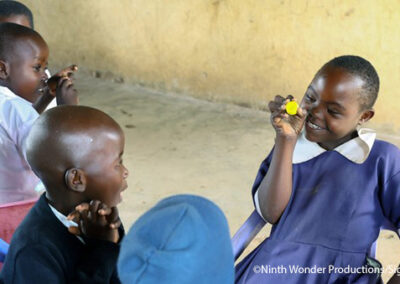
(390, 199)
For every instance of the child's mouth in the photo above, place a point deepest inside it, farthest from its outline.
(42, 88)
(313, 125)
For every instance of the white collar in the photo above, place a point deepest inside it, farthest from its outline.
(356, 149)
(64, 220)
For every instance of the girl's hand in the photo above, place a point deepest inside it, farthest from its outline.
(285, 125)
(96, 220)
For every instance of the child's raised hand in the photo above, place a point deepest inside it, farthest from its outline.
(61, 86)
(96, 220)
(286, 125)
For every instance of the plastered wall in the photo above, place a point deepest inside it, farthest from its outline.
(225, 50)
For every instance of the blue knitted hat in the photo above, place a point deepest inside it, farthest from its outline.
(183, 239)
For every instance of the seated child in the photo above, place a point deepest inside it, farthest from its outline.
(183, 239)
(18, 13)
(77, 152)
(328, 189)
(23, 61)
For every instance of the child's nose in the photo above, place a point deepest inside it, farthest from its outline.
(44, 76)
(316, 110)
(126, 173)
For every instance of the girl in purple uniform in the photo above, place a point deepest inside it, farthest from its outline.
(327, 186)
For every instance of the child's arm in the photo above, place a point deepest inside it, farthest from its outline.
(276, 188)
(60, 86)
(389, 197)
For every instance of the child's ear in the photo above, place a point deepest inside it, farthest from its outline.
(4, 70)
(366, 115)
(75, 179)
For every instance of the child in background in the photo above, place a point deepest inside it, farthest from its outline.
(328, 189)
(15, 12)
(23, 61)
(77, 152)
(183, 239)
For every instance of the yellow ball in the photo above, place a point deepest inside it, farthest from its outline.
(291, 107)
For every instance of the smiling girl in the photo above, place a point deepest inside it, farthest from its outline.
(328, 185)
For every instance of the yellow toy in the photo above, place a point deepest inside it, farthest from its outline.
(291, 107)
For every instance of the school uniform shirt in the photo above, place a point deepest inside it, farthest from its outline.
(339, 201)
(17, 180)
(43, 251)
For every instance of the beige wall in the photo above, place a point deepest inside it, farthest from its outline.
(229, 50)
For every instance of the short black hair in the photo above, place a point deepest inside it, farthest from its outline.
(361, 67)
(11, 8)
(11, 35)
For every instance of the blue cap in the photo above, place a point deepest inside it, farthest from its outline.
(183, 239)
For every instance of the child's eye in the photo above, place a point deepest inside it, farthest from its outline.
(37, 68)
(120, 162)
(309, 98)
(333, 112)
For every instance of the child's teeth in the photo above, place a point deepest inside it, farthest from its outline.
(313, 126)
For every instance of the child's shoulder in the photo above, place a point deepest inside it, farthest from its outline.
(40, 226)
(385, 148)
(385, 155)
(14, 110)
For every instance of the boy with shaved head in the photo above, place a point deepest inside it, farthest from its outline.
(24, 93)
(77, 153)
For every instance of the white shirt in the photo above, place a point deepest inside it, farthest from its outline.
(64, 220)
(17, 181)
(356, 150)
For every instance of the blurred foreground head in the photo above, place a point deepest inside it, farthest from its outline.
(183, 239)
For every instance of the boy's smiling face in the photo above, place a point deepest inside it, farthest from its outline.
(332, 100)
(105, 173)
(26, 68)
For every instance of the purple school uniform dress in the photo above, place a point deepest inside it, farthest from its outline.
(334, 215)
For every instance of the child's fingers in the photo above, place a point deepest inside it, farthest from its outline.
(64, 82)
(74, 216)
(101, 219)
(67, 72)
(74, 230)
(290, 98)
(115, 225)
(104, 211)
(279, 99)
(81, 207)
(279, 102)
(84, 219)
(94, 207)
(274, 106)
(114, 215)
(301, 113)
